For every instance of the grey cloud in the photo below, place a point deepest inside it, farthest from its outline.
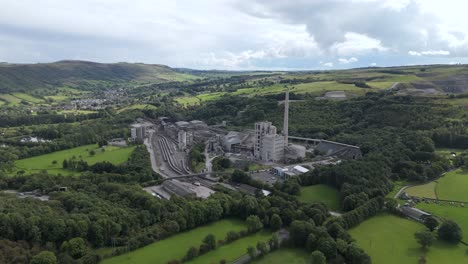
(328, 21)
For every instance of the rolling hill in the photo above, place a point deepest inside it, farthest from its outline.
(83, 75)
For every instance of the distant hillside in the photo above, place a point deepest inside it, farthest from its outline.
(83, 75)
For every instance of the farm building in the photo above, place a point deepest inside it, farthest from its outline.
(414, 213)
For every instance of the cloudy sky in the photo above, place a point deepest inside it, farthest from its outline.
(237, 34)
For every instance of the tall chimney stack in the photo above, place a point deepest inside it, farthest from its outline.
(286, 117)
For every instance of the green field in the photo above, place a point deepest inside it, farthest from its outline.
(313, 87)
(176, 246)
(426, 190)
(27, 97)
(285, 255)
(64, 93)
(112, 154)
(389, 239)
(194, 100)
(316, 88)
(321, 193)
(453, 186)
(456, 101)
(10, 99)
(77, 112)
(446, 211)
(137, 106)
(380, 85)
(232, 251)
(187, 101)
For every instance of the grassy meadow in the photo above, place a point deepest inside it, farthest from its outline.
(176, 247)
(232, 251)
(389, 239)
(10, 99)
(111, 154)
(426, 190)
(136, 107)
(446, 211)
(27, 97)
(316, 88)
(452, 186)
(321, 193)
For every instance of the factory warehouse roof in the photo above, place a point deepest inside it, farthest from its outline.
(182, 123)
(300, 169)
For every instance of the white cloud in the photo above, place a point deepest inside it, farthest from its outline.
(357, 44)
(429, 53)
(356, 27)
(373, 64)
(294, 43)
(328, 64)
(347, 61)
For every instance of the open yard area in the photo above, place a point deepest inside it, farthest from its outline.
(285, 255)
(176, 246)
(232, 251)
(111, 154)
(389, 239)
(321, 193)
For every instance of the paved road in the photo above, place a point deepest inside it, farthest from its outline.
(208, 160)
(402, 190)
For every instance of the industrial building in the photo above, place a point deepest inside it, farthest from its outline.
(273, 147)
(186, 134)
(288, 172)
(238, 142)
(414, 213)
(269, 146)
(331, 148)
(138, 132)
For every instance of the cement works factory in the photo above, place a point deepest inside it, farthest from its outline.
(169, 144)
